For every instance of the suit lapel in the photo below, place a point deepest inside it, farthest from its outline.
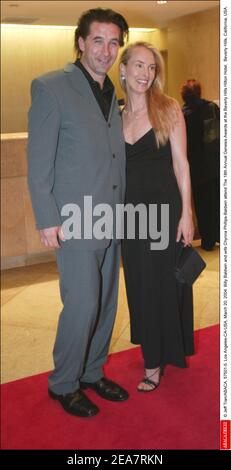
(113, 102)
(80, 84)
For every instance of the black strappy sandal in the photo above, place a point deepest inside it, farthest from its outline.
(147, 381)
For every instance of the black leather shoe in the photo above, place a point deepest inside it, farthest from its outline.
(207, 246)
(76, 403)
(107, 389)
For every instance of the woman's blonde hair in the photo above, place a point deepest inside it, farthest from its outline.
(163, 110)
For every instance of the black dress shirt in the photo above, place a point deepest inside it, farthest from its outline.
(104, 95)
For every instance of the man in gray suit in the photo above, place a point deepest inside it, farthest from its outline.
(76, 149)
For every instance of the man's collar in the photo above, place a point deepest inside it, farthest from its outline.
(107, 84)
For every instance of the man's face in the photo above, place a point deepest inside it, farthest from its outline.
(100, 48)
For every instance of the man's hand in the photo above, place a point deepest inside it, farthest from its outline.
(50, 236)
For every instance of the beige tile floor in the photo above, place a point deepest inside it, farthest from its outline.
(31, 306)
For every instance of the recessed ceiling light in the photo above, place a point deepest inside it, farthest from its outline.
(161, 2)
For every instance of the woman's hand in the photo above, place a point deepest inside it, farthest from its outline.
(185, 230)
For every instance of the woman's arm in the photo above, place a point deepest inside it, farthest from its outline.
(178, 142)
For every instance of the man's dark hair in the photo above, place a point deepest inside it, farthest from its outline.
(101, 15)
(191, 91)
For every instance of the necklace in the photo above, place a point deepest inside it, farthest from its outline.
(136, 114)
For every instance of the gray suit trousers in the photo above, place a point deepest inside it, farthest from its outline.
(89, 292)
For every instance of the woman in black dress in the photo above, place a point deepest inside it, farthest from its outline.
(161, 311)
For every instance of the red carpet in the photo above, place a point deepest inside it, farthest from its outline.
(182, 414)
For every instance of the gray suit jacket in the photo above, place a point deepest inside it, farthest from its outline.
(72, 150)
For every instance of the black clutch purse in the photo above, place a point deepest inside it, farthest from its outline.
(189, 265)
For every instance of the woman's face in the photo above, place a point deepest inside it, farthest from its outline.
(140, 70)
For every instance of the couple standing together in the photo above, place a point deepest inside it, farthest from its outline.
(79, 145)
